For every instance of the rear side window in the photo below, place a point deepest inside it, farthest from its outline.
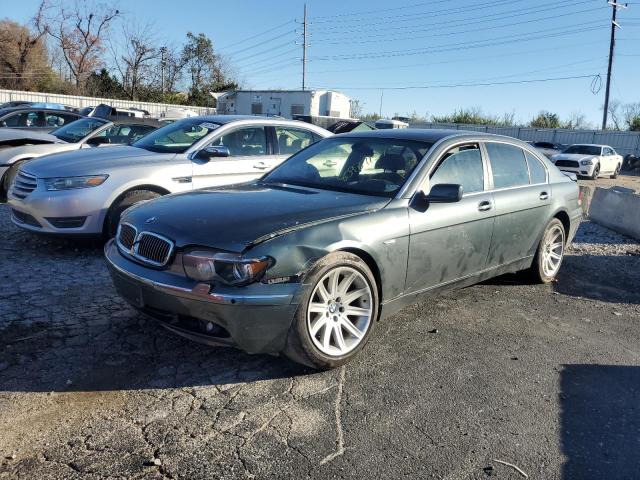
(536, 169)
(508, 165)
(292, 140)
(462, 166)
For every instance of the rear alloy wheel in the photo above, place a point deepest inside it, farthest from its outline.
(548, 258)
(596, 172)
(616, 172)
(337, 313)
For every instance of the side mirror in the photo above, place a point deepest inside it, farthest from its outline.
(3, 124)
(95, 141)
(440, 193)
(445, 193)
(213, 151)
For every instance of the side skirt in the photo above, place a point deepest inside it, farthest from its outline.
(396, 304)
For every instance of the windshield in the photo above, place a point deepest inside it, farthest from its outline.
(370, 166)
(584, 149)
(177, 137)
(76, 131)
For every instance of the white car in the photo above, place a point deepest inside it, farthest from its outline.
(589, 160)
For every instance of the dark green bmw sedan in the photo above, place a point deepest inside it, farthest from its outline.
(346, 232)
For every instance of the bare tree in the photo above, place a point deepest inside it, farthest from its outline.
(23, 54)
(614, 114)
(631, 114)
(135, 57)
(78, 32)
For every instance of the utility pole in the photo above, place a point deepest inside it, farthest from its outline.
(163, 65)
(612, 43)
(304, 48)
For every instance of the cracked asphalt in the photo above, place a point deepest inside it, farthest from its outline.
(545, 378)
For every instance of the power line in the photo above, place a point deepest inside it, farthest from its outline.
(464, 45)
(260, 34)
(447, 11)
(263, 52)
(448, 33)
(456, 85)
(445, 62)
(269, 59)
(277, 37)
(520, 11)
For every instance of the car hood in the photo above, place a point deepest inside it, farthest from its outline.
(235, 217)
(91, 161)
(572, 156)
(15, 137)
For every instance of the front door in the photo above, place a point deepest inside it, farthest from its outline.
(450, 241)
(250, 157)
(522, 197)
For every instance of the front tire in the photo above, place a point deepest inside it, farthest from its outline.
(129, 199)
(550, 253)
(596, 172)
(8, 178)
(337, 313)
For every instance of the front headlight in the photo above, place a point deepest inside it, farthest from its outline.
(588, 161)
(70, 183)
(228, 268)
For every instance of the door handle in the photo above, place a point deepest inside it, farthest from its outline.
(484, 206)
(261, 166)
(544, 196)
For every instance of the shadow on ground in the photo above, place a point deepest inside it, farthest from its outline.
(124, 353)
(600, 421)
(594, 277)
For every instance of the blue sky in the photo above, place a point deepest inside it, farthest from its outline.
(365, 47)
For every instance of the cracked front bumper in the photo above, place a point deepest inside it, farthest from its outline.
(255, 318)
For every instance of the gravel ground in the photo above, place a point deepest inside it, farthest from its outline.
(542, 377)
(628, 180)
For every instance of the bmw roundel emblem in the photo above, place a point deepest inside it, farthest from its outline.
(150, 220)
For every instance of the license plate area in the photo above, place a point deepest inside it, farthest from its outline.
(130, 291)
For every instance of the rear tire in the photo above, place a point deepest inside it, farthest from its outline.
(550, 253)
(336, 314)
(129, 199)
(616, 172)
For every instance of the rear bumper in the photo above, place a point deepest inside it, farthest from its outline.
(255, 318)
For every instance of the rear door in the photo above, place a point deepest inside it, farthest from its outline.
(522, 197)
(251, 156)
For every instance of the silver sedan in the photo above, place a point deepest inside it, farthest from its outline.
(84, 192)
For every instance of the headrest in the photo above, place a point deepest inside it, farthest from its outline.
(391, 161)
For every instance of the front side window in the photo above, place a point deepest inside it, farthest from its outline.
(536, 169)
(461, 165)
(369, 166)
(244, 142)
(75, 131)
(292, 140)
(178, 136)
(508, 165)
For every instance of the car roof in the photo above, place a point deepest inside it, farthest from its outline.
(133, 121)
(4, 111)
(237, 118)
(424, 134)
(588, 145)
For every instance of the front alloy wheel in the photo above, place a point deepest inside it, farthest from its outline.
(340, 311)
(337, 312)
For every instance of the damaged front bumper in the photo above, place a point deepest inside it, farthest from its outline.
(255, 318)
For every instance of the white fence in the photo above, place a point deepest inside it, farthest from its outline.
(155, 109)
(623, 142)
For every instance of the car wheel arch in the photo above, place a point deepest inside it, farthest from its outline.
(120, 195)
(371, 263)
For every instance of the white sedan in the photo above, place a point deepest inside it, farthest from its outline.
(589, 160)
